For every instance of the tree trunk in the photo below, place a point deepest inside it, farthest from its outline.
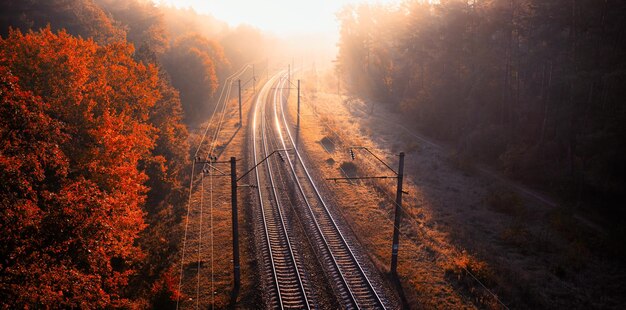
(546, 102)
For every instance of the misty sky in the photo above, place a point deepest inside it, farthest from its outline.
(281, 17)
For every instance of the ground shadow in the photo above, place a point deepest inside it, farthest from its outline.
(223, 146)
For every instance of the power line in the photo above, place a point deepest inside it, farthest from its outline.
(182, 261)
(212, 236)
(410, 216)
(200, 240)
(227, 81)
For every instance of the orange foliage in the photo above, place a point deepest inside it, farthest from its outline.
(82, 18)
(75, 132)
(194, 64)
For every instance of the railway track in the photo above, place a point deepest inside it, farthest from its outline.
(281, 264)
(350, 281)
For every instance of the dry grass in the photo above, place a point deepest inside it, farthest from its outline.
(367, 206)
(506, 202)
(529, 256)
(464, 271)
(462, 163)
(218, 257)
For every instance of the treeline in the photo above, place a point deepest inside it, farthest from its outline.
(191, 49)
(534, 86)
(94, 146)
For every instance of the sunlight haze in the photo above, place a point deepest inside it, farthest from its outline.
(281, 17)
(312, 154)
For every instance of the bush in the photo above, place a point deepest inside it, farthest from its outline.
(506, 202)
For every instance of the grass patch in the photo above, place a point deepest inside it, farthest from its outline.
(571, 261)
(412, 147)
(517, 235)
(464, 264)
(464, 272)
(563, 220)
(462, 163)
(506, 202)
(577, 253)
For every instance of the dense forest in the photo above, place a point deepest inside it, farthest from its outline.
(97, 96)
(97, 99)
(533, 87)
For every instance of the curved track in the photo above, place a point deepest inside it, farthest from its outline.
(351, 283)
(280, 263)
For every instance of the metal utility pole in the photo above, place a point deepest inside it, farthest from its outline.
(397, 219)
(298, 125)
(235, 222)
(211, 162)
(240, 119)
(398, 205)
(233, 202)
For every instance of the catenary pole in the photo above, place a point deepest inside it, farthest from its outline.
(397, 218)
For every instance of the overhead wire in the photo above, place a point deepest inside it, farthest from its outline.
(212, 238)
(182, 260)
(410, 216)
(318, 195)
(210, 152)
(404, 211)
(332, 131)
(227, 81)
(200, 240)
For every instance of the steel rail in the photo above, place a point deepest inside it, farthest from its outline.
(281, 229)
(359, 268)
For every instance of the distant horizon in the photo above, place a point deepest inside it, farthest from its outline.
(282, 18)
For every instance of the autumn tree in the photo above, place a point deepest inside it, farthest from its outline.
(193, 63)
(531, 87)
(79, 17)
(75, 127)
(237, 41)
(143, 24)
